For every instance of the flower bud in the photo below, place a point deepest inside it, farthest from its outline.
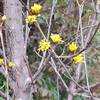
(4, 18)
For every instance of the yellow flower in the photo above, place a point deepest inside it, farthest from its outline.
(44, 45)
(99, 2)
(31, 18)
(78, 59)
(38, 15)
(1, 61)
(4, 18)
(72, 47)
(36, 8)
(27, 21)
(56, 38)
(10, 64)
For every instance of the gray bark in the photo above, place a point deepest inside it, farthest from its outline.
(15, 44)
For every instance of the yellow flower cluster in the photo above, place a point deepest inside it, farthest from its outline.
(4, 18)
(33, 18)
(44, 45)
(10, 64)
(36, 8)
(56, 38)
(1, 61)
(78, 59)
(72, 47)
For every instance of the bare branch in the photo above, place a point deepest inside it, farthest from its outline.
(42, 67)
(70, 75)
(4, 95)
(86, 96)
(55, 69)
(3, 86)
(54, 2)
(91, 86)
(5, 63)
(25, 6)
(65, 17)
(34, 86)
(58, 87)
(82, 41)
(40, 30)
(91, 28)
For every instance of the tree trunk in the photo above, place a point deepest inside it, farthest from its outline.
(15, 44)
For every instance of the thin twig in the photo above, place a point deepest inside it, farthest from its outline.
(6, 69)
(86, 96)
(2, 86)
(26, 28)
(42, 67)
(88, 42)
(70, 75)
(25, 6)
(53, 6)
(40, 30)
(91, 86)
(58, 86)
(91, 28)
(65, 17)
(44, 53)
(34, 86)
(68, 72)
(3, 95)
(80, 24)
(74, 39)
(54, 67)
(38, 54)
(43, 59)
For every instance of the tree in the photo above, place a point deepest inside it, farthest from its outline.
(62, 70)
(15, 44)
